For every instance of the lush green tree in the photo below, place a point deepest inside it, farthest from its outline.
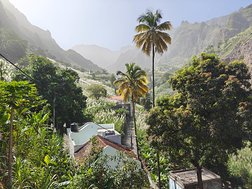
(40, 160)
(240, 165)
(152, 37)
(15, 96)
(131, 85)
(96, 91)
(59, 88)
(208, 117)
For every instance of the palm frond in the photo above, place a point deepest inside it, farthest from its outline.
(132, 82)
(142, 28)
(164, 26)
(165, 36)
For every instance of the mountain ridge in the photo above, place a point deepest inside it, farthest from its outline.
(32, 39)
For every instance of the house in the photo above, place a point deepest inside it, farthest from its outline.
(80, 136)
(187, 179)
(81, 145)
(109, 149)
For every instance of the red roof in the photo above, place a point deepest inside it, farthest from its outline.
(117, 98)
(86, 149)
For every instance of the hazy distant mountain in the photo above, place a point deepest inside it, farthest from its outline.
(191, 39)
(130, 54)
(100, 56)
(18, 37)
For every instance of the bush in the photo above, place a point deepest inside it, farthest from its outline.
(240, 165)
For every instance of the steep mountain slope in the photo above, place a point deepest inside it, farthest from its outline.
(100, 56)
(191, 39)
(18, 36)
(238, 47)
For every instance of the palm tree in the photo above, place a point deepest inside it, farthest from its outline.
(152, 37)
(132, 85)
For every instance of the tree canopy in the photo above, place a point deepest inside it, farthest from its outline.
(96, 91)
(59, 87)
(208, 117)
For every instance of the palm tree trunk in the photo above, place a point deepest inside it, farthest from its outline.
(10, 150)
(153, 80)
(153, 105)
(134, 120)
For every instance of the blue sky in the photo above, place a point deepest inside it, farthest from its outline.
(111, 23)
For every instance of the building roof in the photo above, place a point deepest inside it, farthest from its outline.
(116, 98)
(86, 149)
(188, 177)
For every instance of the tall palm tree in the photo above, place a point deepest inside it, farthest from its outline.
(152, 37)
(131, 85)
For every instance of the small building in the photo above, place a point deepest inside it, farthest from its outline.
(83, 134)
(109, 149)
(187, 179)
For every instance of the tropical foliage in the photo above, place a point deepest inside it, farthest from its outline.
(27, 137)
(209, 116)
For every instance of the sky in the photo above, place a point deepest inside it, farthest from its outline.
(111, 23)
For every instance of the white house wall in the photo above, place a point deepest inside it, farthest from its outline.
(114, 157)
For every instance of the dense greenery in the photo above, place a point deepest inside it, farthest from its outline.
(40, 160)
(96, 91)
(27, 137)
(240, 166)
(59, 87)
(207, 118)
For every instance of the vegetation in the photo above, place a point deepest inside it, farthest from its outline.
(103, 111)
(59, 87)
(96, 91)
(205, 121)
(96, 172)
(132, 85)
(240, 165)
(36, 149)
(207, 118)
(40, 160)
(5, 71)
(151, 37)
